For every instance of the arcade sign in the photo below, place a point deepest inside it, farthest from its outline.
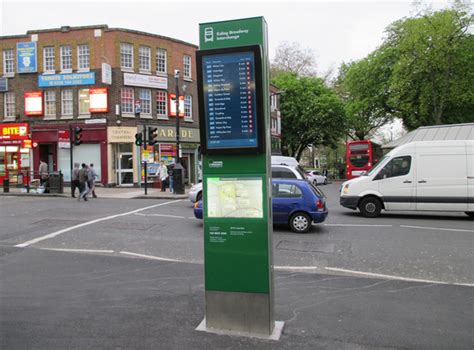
(34, 103)
(98, 100)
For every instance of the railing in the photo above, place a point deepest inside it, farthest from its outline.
(31, 180)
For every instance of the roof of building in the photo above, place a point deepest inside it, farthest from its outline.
(105, 27)
(436, 133)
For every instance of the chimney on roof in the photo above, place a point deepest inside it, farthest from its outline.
(65, 29)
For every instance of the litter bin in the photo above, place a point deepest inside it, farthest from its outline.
(6, 185)
(55, 183)
(178, 183)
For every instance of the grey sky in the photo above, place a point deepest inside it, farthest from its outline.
(336, 31)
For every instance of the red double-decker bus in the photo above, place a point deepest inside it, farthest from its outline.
(361, 156)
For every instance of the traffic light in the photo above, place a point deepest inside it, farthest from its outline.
(139, 139)
(152, 136)
(77, 136)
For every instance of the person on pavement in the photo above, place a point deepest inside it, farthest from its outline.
(43, 172)
(163, 175)
(91, 180)
(83, 182)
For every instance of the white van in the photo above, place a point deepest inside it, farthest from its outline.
(426, 175)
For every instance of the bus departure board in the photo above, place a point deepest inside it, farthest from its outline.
(230, 99)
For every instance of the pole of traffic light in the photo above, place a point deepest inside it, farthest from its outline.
(176, 76)
(145, 145)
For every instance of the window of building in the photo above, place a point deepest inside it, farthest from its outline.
(126, 98)
(66, 58)
(8, 62)
(188, 107)
(144, 58)
(48, 59)
(50, 104)
(84, 102)
(274, 102)
(126, 56)
(83, 57)
(161, 61)
(161, 104)
(187, 66)
(9, 105)
(145, 101)
(66, 103)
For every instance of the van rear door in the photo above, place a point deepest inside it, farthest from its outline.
(470, 175)
(441, 182)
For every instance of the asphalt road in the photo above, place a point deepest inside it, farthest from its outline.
(128, 274)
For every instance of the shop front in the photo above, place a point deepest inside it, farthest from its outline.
(122, 156)
(49, 145)
(165, 150)
(15, 153)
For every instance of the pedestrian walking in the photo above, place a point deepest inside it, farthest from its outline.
(43, 172)
(163, 175)
(75, 180)
(91, 175)
(82, 177)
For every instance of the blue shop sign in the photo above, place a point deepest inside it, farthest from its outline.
(70, 79)
(26, 57)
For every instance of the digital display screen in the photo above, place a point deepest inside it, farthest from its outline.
(230, 98)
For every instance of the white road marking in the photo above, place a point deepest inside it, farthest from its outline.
(80, 250)
(292, 268)
(392, 277)
(357, 225)
(153, 257)
(161, 215)
(437, 228)
(54, 234)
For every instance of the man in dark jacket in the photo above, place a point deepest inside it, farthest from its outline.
(82, 177)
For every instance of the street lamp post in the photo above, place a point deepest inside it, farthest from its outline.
(178, 183)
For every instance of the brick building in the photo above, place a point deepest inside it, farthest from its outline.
(96, 78)
(275, 119)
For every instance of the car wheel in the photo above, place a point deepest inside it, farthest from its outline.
(370, 207)
(470, 214)
(326, 181)
(199, 196)
(300, 222)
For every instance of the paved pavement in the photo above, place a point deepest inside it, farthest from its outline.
(58, 300)
(107, 192)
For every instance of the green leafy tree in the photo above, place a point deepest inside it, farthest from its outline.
(311, 113)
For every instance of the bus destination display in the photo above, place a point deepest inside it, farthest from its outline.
(230, 100)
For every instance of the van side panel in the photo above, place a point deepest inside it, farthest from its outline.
(441, 181)
(470, 175)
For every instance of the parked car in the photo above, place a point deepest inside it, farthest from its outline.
(278, 171)
(422, 175)
(296, 203)
(316, 178)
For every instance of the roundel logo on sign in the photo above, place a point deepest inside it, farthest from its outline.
(208, 34)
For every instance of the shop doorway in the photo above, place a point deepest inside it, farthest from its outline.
(48, 153)
(124, 165)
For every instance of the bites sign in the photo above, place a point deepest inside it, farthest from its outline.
(12, 132)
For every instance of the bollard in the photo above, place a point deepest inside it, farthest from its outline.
(6, 185)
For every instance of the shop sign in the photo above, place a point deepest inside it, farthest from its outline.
(106, 74)
(64, 139)
(142, 80)
(172, 102)
(121, 134)
(70, 79)
(26, 144)
(34, 103)
(186, 134)
(3, 84)
(26, 57)
(14, 131)
(98, 100)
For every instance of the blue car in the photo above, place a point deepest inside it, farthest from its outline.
(296, 203)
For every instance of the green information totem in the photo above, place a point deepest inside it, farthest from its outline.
(233, 87)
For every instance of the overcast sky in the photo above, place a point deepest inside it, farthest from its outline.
(336, 31)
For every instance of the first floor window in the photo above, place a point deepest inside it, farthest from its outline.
(126, 98)
(126, 55)
(187, 66)
(84, 101)
(8, 61)
(188, 107)
(145, 101)
(161, 104)
(161, 60)
(9, 105)
(66, 57)
(144, 58)
(50, 103)
(48, 59)
(83, 57)
(66, 103)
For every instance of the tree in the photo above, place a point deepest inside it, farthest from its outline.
(363, 85)
(431, 81)
(292, 58)
(312, 113)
